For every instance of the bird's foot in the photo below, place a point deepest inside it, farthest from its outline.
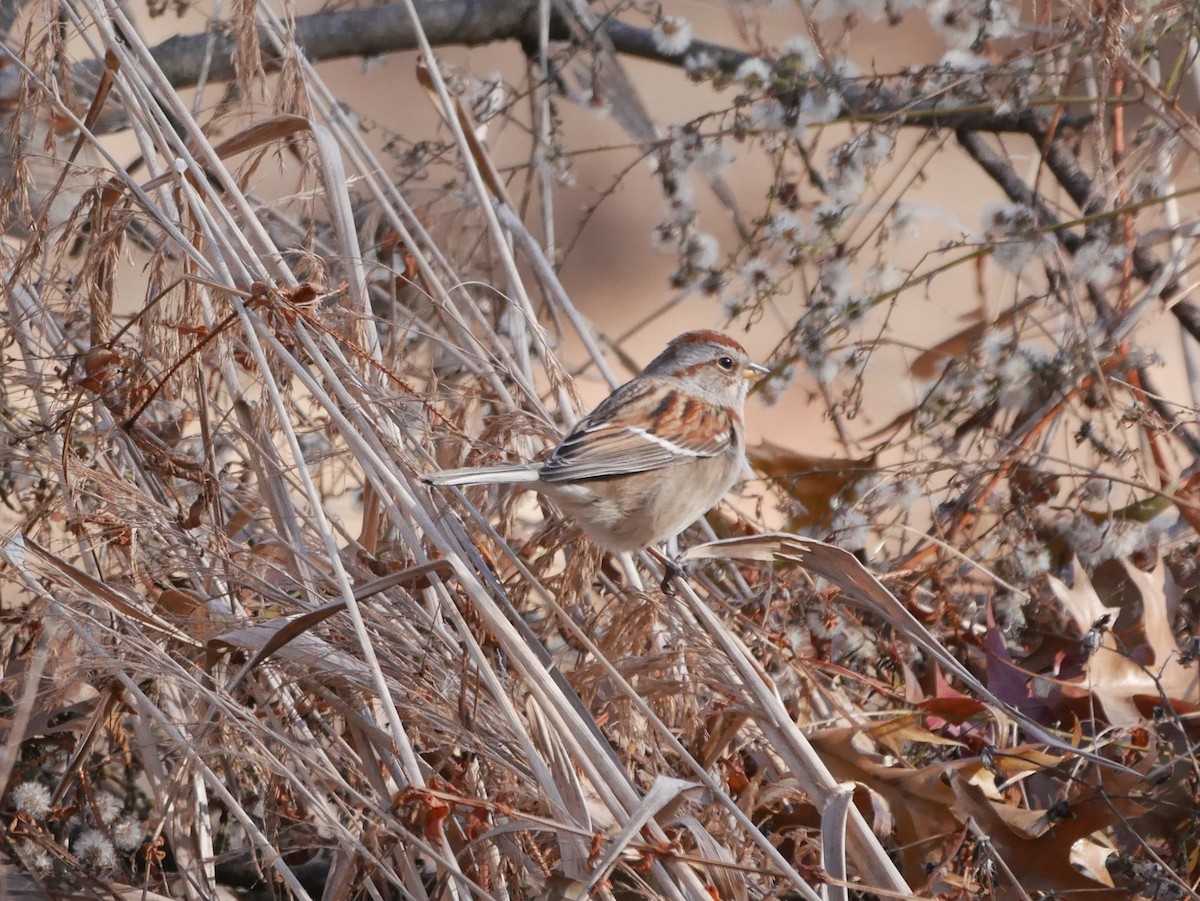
(672, 571)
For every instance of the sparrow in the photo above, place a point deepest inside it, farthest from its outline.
(654, 456)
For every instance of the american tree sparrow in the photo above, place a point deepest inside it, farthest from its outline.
(655, 456)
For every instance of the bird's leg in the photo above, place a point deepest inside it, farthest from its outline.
(673, 572)
(672, 569)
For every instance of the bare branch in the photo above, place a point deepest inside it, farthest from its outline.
(1071, 177)
(361, 33)
(388, 29)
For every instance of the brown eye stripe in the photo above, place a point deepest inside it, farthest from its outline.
(689, 371)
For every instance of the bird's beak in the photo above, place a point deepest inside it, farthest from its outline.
(754, 372)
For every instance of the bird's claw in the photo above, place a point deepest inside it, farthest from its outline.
(672, 570)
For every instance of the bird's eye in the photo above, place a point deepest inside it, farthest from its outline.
(725, 363)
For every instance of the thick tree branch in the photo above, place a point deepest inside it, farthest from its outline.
(388, 29)
(1079, 187)
(1001, 171)
(1067, 171)
(360, 33)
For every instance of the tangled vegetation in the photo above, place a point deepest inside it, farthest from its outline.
(242, 646)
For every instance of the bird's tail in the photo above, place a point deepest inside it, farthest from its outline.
(505, 473)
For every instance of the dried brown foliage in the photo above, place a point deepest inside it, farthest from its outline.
(243, 645)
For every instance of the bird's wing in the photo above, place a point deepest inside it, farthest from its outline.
(640, 427)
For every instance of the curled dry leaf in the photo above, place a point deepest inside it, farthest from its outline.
(812, 481)
(929, 364)
(1042, 843)
(97, 368)
(1144, 661)
(179, 604)
(896, 732)
(917, 800)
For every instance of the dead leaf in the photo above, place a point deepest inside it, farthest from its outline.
(813, 481)
(895, 732)
(118, 600)
(929, 363)
(1038, 844)
(957, 346)
(918, 800)
(1116, 673)
(843, 570)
